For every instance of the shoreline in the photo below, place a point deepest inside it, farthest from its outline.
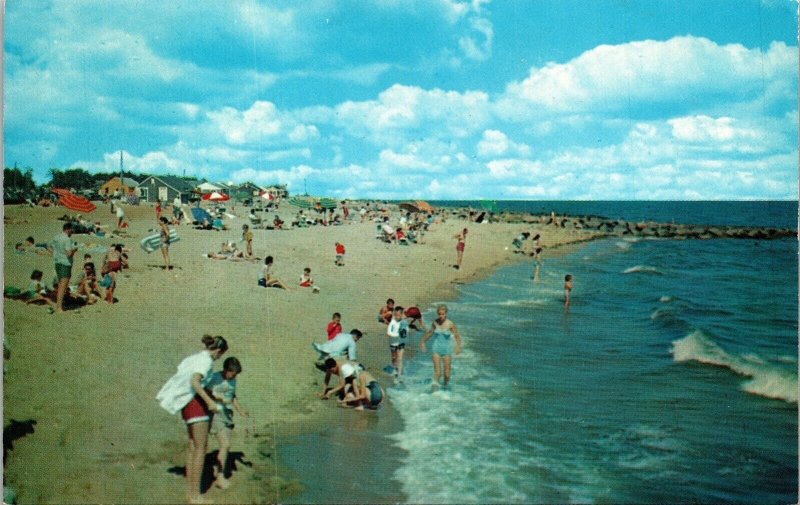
(371, 433)
(107, 358)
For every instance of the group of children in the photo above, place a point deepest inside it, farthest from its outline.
(89, 286)
(397, 326)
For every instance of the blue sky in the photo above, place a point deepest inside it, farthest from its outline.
(435, 99)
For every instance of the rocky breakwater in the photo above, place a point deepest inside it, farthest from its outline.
(621, 228)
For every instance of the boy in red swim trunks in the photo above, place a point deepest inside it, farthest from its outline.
(339, 255)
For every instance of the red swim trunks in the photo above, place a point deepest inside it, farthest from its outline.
(460, 246)
(196, 411)
(413, 312)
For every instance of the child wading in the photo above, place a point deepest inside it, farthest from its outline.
(397, 332)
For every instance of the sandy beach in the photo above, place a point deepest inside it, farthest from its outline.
(88, 377)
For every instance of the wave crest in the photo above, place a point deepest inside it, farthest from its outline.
(764, 379)
(642, 269)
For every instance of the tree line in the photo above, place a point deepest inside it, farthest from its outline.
(18, 184)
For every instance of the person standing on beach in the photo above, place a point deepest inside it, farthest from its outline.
(247, 236)
(176, 209)
(165, 242)
(184, 392)
(120, 215)
(444, 332)
(223, 388)
(339, 255)
(460, 237)
(334, 326)
(63, 248)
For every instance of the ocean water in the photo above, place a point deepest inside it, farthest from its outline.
(780, 214)
(672, 378)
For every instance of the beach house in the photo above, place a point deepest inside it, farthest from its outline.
(209, 187)
(165, 188)
(124, 185)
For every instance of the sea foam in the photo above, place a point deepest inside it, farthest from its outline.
(455, 440)
(764, 379)
(642, 269)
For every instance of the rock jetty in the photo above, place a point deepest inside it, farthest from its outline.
(644, 229)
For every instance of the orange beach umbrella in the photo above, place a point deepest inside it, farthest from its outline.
(74, 202)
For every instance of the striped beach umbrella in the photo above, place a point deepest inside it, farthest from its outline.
(74, 202)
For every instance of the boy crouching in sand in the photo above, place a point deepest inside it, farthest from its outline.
(223, 389)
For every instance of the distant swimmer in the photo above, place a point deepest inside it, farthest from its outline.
(444, 332)
(567, 290)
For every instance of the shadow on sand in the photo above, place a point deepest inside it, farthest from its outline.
(207, 479)
(13, 432)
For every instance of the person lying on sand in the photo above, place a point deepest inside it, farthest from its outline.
(30, 245)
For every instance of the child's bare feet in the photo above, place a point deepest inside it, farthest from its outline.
(222, 482)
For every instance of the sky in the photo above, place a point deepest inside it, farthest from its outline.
(400, 99)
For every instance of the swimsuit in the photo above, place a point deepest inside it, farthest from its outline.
(375, 395)
(115, 266)
(442, 344)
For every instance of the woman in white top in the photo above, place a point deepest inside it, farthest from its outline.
(184, 392)
(265, 279)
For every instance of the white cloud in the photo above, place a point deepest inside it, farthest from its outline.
(497, 143)
(609, 78)
(478, 45)
(153, 162)
(408, 110)
(261, 123)
(704, 129)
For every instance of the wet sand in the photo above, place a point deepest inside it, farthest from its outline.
(88, 377)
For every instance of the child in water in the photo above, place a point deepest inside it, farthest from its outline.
(567, 289)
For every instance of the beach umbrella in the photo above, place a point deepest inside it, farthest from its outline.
(266, 195)
(60, 191)
(216, 196)
(303, 203)
(74, 202)
(200, 215)
(418, 206)
(489, 205)
(327, 203)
